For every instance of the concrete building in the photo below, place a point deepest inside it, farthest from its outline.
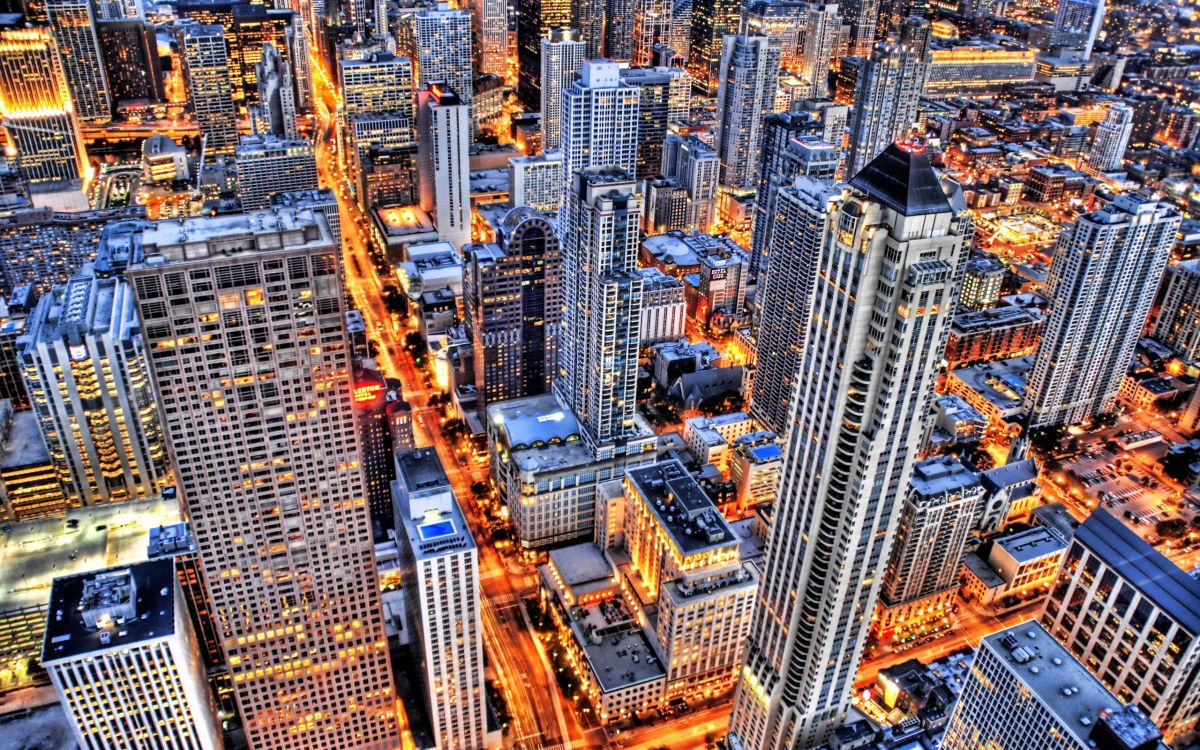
(840, 490)
(982, 282)
(885, 101)
(710, 439)
(124, 660)
(86, 371)
(712, 21)
(30, 487)
(1110, 141)
(992, 334)
(755, 467)
(1014, 569)
(976, 67)
(1132, 617)
(224, 277)
(1092, 329)
(749, 71)
(210, 89)
(665, 99)
(561, 58)
(268, 165)
(535, 20)
(444, 122)
(73, 26)
(1077, 24)
(1024, 688)
(276, 94)
(695, 167)
(441, 580)
(439, 45)
(1178, 321)
(664, 309)
(536, 181)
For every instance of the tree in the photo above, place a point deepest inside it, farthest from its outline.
(1172, 528)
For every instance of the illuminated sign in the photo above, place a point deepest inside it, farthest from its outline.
(368, 392)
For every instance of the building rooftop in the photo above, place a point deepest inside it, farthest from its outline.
(994, 318)
(618, 650)
(165, 241)
(399, 221)
(110, 610)
(420, 469)
(941, 475)
(1031, 544)
(1056, 516)
(534, 422)
(681, 507)
(903, 179)
(1012, 474)
(170, 540)
(1002, 383)
(580, 564)
(24, 445)
(1151, 572)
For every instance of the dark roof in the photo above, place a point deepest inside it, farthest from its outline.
(903, 180)
(1151, 572)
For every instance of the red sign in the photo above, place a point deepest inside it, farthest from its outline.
(367, 392)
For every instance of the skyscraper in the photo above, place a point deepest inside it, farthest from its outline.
(1178, 322)
(588, 16)
(749, 72)
(441, 51)
(85, 367)
(131, 64)
(444, 121)
(598, 113)
(885, 102)
(561, 57)
(74, 29)
(38, 120)
(535, 20)
(802, 216)
(665, 98)
(651, 26)
(264, 447)
(1105, 272)
(378, 104)
(512, 307)
(206, 69)
(440, 565)
(807, 34)
(276, 95)
(861, 16)
(491, 31)
(1111, 140)
(889, 266)
(712, 21)
(696, 167)
(268, 165)
(1077, 23)
(822, 23)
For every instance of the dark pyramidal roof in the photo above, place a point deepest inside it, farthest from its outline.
(903, 178)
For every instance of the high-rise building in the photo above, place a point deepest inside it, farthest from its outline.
(512, 307)
(378, 105)
(38, 118)
(441, 49)
(1077, 24)
(1105, 272)
(1132, 616)
(86, 372)
(801, 225)
(749, 72)
(14, 316)
(588, 18)
(862, 17)
(491, 34)
(561, 58)
(1178, 322)
(712, 21)
(885, 102)
(536, 181)
(123, 657)
(444, 121)
(1111, 140)
(651, 26)
(268, 165)
(890, 265)
(807, 34)
(276, 94)
(982, 282)
(210, 91)
(1026, 692)
(73, 26)
(822, 24)
(129, 49)
(441, 579)
(264, 447)
(598, 113)
(944, 503)
(618, 30)
(666, 97)
(602, 294)
(695, 166)
(535, 20)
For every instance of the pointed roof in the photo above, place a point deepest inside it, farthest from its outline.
(903, 179)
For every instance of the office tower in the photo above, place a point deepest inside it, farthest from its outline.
(118, 10)
(378, 105)
(665, 98)
(276, 95)
(1178, 322)
(206, 69)
(444, 121)
(491, 32)
(74, 30)
(597, 112)
(803, 212)
(712, 21)
(535, 20)
(1132, 616)
(371, 399)
(123, 657)
(29, 486)
(885, 102)
(807, 34)
(85, 369)
(861, 16)
(588, 18)
(601, 303)
(441, 578)
(651, 26)
(1077, 24)
(822, 23)
(536, 181)
(38, 118)
(252, 27)
(176, 543)
(749, 72)
(1110, 141)
(13, 320)
(268, 165)
(512, 307)
(1026, 692)
(943, 505)
(871, 356)
(695, 167)
(441, 50)
(129, 50)
(561, 58)
(1092, 328)
(982, 282)
(268, 468)
(618, 30)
